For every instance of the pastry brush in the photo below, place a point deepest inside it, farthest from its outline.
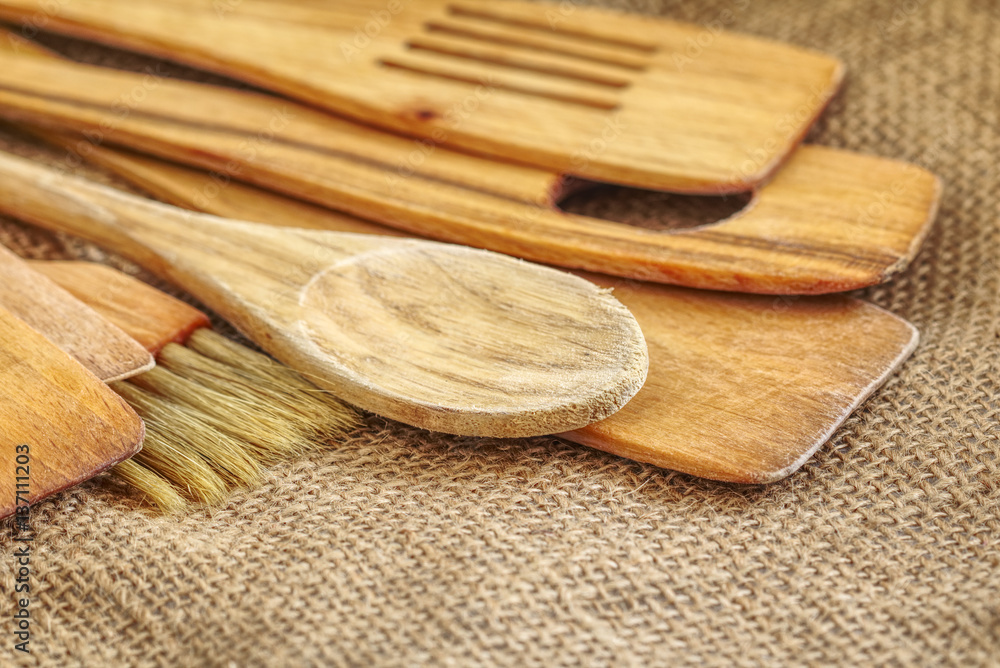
(216, 412)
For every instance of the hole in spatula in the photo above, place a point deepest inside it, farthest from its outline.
(648, 209)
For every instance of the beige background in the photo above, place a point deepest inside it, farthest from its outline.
(401, 547)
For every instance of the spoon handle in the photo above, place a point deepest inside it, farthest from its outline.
(125, 224)
(176, 244)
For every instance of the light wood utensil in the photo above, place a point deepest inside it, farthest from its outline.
(740, 388)
(104, 349)
(829, 221)
(59, 424)
(438, 336)
(607, 96)
(151, 318)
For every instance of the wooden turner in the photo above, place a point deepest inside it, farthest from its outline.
(829, 221)
(740, 388)
(104, 349)
(59, 424)
(607, 96)
(438, 336)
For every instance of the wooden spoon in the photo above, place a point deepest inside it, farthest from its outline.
(438, 336)
(830, 221)
(608, 96)
(59, 424)
(104, 349)
(740, 389)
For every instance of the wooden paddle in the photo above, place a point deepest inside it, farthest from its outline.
(829, 221)
(607, 96)
(438, 336)
(104, 349)
(740, 388)
(59, 424)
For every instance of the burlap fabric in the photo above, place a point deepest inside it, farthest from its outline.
(400, 547)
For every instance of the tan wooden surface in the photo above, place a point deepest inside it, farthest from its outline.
(74, 427)
(604, 95)
(150, 317)
(740, 388)
(438, 336)
(829, 221)
(104, 349)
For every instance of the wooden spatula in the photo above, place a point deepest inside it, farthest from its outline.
(608, 96)
(59, 424)
(438, 336)
(829, 221)
(104, 349)
(740, 389)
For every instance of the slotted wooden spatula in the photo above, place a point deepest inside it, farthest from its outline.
(829, 221)
(608, 96)
(740, 388)
(59, 424)
(104, 349)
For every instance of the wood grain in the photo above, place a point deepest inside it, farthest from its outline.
(74, 427)
(604, 95)
(829, 221)
(150, 318)
(104, 349)
(438, 336)
(740, 388)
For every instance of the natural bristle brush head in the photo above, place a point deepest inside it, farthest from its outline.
(216, 411)
(204, 463)
(215, 421)
(291, 415)
(156, 489)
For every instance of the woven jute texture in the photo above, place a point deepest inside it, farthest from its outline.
(400, 547)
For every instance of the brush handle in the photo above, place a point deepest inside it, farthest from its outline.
(151, 317)
(101, 347)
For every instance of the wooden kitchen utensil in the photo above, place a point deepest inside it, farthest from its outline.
(608, 96)
(434, 335)
(104, 349)
(829, 221)
(59, 424)
(740, 388)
